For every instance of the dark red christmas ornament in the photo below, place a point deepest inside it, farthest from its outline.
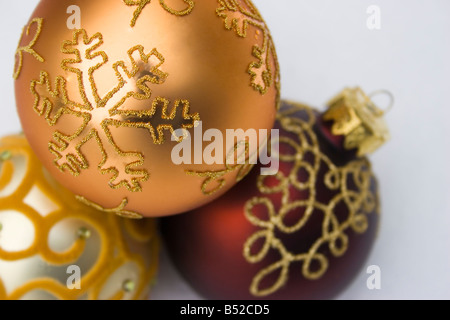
(303, 233)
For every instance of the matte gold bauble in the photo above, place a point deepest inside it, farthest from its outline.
(102, 90)
(54, 247)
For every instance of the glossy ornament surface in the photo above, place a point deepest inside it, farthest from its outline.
(303, 233)
(99, 104)
(54, 247)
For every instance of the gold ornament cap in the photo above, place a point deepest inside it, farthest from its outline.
(359, 120)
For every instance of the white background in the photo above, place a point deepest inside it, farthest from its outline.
(324, 46)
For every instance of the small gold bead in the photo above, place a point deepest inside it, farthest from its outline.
(5, 155)
(84, 233)
(128, 285)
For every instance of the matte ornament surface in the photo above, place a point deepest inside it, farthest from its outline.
(54, 247)
(100, 104)
(303, 233)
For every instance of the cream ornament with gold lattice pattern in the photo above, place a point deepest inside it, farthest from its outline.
(99, 104)
(47, 236)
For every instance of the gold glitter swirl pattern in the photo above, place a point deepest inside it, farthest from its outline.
(359, 201)
(216, 178)
(140, 4)
(238, 16)
(119, 210)
(100, 113)
(39, 22)
(109, 250)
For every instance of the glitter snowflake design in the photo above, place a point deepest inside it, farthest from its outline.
(98, 113)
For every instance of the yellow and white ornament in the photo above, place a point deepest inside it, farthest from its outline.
(54, 247)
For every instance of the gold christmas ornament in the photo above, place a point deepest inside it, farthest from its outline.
(54, 247)
(101, 103)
